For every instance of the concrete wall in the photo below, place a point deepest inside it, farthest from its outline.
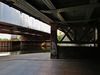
(78, 53)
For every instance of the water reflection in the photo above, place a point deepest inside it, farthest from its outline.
(4, 51)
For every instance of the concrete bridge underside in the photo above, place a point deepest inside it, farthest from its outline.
(27, 34)
(79, 20)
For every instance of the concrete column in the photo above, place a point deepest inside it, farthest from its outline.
(54, 41)
(98, 40)
(95, 36)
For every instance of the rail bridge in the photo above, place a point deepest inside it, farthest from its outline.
(78, 19)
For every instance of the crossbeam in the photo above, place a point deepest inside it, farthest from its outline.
(69, 9)
(77, 21)
(90, 10)
(66, 33)
(73, 42)
(50, 5)
(85, 33)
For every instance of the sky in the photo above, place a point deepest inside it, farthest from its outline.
(5, 36)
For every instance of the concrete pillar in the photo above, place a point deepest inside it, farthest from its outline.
(98, 40)
(53, 41)
(95, 36)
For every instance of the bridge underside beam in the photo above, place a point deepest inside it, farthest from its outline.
(8, 28)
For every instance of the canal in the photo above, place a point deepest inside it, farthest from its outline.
(23, 47)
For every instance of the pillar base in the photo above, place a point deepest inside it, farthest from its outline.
(54, 54)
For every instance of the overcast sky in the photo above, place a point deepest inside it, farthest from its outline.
(5, 36)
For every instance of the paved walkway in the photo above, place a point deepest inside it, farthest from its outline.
(40, 64)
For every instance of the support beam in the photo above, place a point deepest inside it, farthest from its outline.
(73, 42)
(85, 33)
(98, 39)
(78, 25)
(69, 9)
(78, 21)
(66, 33)
(62, 38)
(8, 28)
(50, 5)
(75, 34)
(90, 9)
(89, 13)
(54, 52)
(94, 36)
(98, 36)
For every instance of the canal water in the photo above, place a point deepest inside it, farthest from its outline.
(17, 50)
(23, 47)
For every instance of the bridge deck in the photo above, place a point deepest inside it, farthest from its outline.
(40, 64)
(18, 30)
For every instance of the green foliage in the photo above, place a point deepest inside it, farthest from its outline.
(0, 39)
(59, 36)
(16, 39)
(5, 40)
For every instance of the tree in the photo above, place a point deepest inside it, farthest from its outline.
(59, 36)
